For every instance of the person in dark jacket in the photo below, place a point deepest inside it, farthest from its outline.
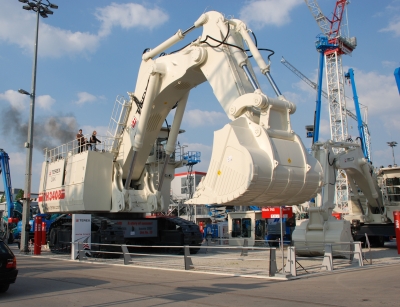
(81, 141)
(93, 141)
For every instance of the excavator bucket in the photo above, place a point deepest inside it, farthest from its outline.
(249, 167)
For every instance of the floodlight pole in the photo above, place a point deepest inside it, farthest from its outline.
(29, 146)
(393, 144)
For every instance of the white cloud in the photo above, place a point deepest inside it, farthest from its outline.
(17, 100)
(45, 101)
(129, 15)
(197, 118)
(53, 41)
(84, 97)
(394, 26)
(377, 92)
(266, 12)
(391, 122)
(390, 64)
(20, 102)
(56, 42)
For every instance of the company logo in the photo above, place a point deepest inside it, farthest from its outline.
(52, 195)
(134, 121)
(82, 220)
(54, 171)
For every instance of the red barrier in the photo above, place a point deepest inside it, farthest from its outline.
(44, 241)
(337, 215)
(396, 215)
(38, 236)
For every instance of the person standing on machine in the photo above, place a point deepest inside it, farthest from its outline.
(93, 141)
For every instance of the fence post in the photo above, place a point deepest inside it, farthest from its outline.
(327, 263)
(272, 262)
(127, 256)
(80, 251)
(187, 259)
(358, 253)
(291, 261)
(244, 249)
(369, 248)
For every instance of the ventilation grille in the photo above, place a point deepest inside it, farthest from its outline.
(153, 122)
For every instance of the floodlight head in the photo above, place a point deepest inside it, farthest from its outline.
(21, 91)
(43, 15)
(27, 7)
(23, 1)
(53, 6)
(47, 11)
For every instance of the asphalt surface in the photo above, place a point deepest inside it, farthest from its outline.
(52, 282)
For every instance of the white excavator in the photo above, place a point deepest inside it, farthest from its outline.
(257, 159)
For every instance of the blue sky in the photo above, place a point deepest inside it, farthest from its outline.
(90, 52)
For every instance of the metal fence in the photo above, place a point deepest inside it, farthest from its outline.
(262, 262)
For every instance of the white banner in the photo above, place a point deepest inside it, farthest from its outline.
(81, 233)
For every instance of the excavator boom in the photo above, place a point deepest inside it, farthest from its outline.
(257, 158)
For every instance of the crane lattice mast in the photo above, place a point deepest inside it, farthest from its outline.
(331, 28)
(325, 94)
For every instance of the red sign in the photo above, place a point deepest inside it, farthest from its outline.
(274, 212)
(53, 195)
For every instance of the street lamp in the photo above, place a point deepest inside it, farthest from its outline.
(43, 10)
(393, 144)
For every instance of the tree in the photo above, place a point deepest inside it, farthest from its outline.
(19, 195)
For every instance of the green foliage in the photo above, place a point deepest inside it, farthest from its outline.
(19, 195)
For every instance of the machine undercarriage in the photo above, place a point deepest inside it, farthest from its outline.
(111, 230)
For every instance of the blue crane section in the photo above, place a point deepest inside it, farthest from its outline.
(350, 75)
(5, 172)
(397, 77)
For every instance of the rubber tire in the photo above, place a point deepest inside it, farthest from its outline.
(11, 239)
(4, 288)
(381, 241)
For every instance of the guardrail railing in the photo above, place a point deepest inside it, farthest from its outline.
(74, 147)
(239, 260)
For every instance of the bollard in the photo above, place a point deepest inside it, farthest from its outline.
(37, 236)
(291, 261)
(244, 249)
(80, 251)
(127, 256)
(273, 269)
(44, 241)
(327, 263)
(358, 253)
(396, 215)
(187, 259)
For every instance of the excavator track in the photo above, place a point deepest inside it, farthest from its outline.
(104, 231)
(191, 234)
(173, 231)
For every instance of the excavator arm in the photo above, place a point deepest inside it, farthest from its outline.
(257, 159)
(321, 225)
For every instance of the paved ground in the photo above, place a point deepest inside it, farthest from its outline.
(55, 282)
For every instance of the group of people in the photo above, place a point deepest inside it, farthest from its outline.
(85, 144)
